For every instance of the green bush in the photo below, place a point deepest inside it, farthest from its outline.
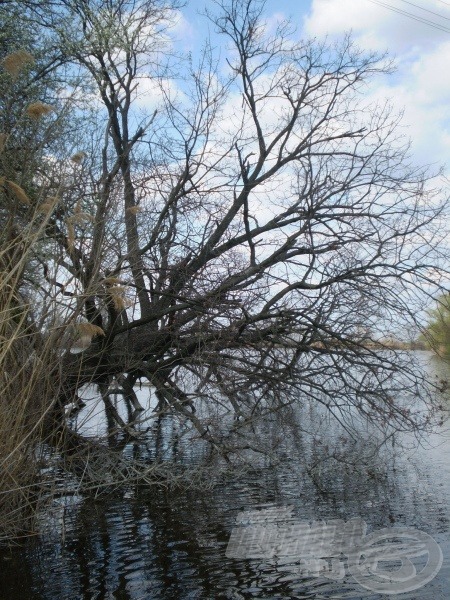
(438, 328)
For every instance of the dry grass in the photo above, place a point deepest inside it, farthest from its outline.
(27, 388)
(78, 157)
(31, 355)
(134, 210)
(31, 360)
(15, 190)
(26, 361)
(36, 110)
(15, 62)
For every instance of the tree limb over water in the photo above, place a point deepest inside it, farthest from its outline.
(234, 232)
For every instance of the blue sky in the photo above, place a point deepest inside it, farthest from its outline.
(421, 84)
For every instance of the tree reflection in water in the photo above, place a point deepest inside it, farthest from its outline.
(161, 545)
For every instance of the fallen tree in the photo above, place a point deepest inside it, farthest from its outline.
(229, 232)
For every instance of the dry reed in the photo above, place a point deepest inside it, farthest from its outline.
(36, 110)
(27, 389)
(134, 210)
(78, 157)
(15, 62)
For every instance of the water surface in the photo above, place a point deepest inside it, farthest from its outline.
(172, 545)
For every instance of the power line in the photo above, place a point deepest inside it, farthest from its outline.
(411, 16)
(426, 10)
(442, 2)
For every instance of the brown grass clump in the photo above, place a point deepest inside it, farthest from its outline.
(111, 281)
(27, 388)
(31, 360)
(134, 210)
(26, 393)
(81, 217)
(85, 333)
(117, 289)
(78, 157)
(36, 110)
(70, 235)
(119, 302)
(117, 294)
(49, 205)
(45, 207)
(16, 190)
(17, 61)
(89, 329)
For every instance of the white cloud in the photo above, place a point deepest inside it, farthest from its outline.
(335, 17)
(377, 26)
(421, 84)
(431, 76)
(148, 92)
(182, 31)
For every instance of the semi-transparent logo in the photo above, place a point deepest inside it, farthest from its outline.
(388, 561)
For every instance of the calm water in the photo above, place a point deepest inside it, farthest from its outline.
(173, 545)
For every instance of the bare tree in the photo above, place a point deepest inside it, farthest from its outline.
(240, 234)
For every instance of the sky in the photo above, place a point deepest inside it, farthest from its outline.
(421, 83)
